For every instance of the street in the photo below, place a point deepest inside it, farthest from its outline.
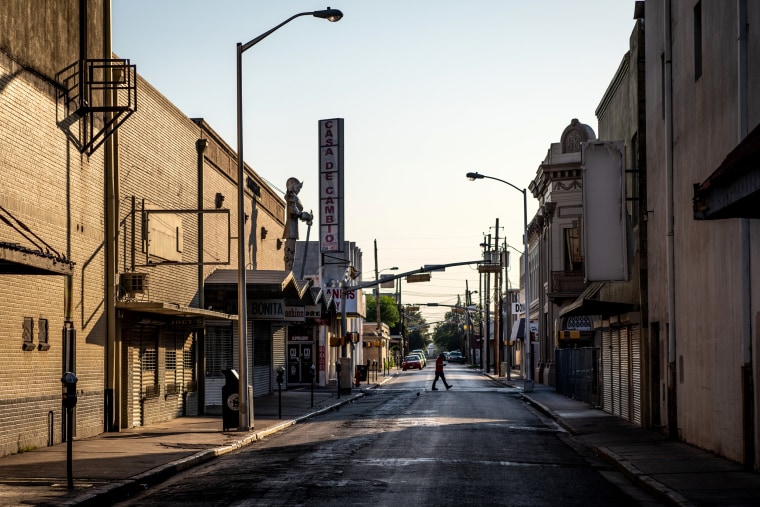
(402, 444)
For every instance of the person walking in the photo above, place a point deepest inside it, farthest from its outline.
(439, 372)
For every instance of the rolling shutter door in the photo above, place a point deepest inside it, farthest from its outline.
(221, 353)
(635, 332)
(279, 337)
(615, 341)
(625, 374)
(607, 370)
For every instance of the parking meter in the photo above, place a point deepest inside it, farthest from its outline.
(280, 373)
(69, 381)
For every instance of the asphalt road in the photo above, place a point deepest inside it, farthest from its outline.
(402, 444)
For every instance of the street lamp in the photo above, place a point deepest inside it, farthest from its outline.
(528, 352)
(246, 410)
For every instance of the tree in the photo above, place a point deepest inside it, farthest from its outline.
(388, 310)
(416, 331)
(449, 335)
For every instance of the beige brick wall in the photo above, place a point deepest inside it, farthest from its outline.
(57, 194)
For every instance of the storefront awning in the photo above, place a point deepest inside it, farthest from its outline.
(17, 260)
(733, 189)
(172, 310)
(518, 330)
(264, 283)
(587, 304)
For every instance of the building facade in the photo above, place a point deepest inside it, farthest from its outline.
(558, 243)
(702, 118)
(117, 212)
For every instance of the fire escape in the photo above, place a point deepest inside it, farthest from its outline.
(95, 97)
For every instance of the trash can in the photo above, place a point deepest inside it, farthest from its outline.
(231, 400)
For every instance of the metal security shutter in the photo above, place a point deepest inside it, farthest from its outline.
(262, 358)
(635, 333)
(607, 385)
(133, 372)
(616, 371)
(149, 387)
(279, 337)
(221, 354)
(625, 374)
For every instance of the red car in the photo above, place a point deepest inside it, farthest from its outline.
(411, 362)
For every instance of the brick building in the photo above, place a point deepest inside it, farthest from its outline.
(104, 250)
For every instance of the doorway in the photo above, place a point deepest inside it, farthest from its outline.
(300, 359)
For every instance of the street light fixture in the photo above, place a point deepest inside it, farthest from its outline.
(528, 353)
(246, 410)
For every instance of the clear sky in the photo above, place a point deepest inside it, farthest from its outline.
(428, 89)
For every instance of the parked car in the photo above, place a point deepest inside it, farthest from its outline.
(423, 356)
(456, 357)
(410, 362)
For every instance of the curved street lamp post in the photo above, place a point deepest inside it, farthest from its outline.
(245, 408)
(526, 335)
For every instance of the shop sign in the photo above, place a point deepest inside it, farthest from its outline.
(186, 322)
(267, 309)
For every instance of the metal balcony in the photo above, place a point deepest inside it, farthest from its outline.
(566, 284)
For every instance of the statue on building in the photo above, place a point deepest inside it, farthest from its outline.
(293, 213)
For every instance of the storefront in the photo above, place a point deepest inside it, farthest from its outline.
(160, 345)
(276, 301)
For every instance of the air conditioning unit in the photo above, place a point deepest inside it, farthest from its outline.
(134, 283)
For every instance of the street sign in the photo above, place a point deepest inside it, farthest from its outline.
(489, 268)
(423, 277)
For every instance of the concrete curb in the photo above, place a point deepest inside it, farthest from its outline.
(641, 479)
(636, 476)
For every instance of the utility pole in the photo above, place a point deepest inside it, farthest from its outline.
(486, 254)
(467, 320)
(497, 310)
(482, 318)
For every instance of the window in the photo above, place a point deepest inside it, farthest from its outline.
(42, 335)
(573, 249)
(28, 334)
(149, 360)
(170, 360)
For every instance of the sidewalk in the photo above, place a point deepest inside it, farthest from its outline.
(673, 471)
(110, 465)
